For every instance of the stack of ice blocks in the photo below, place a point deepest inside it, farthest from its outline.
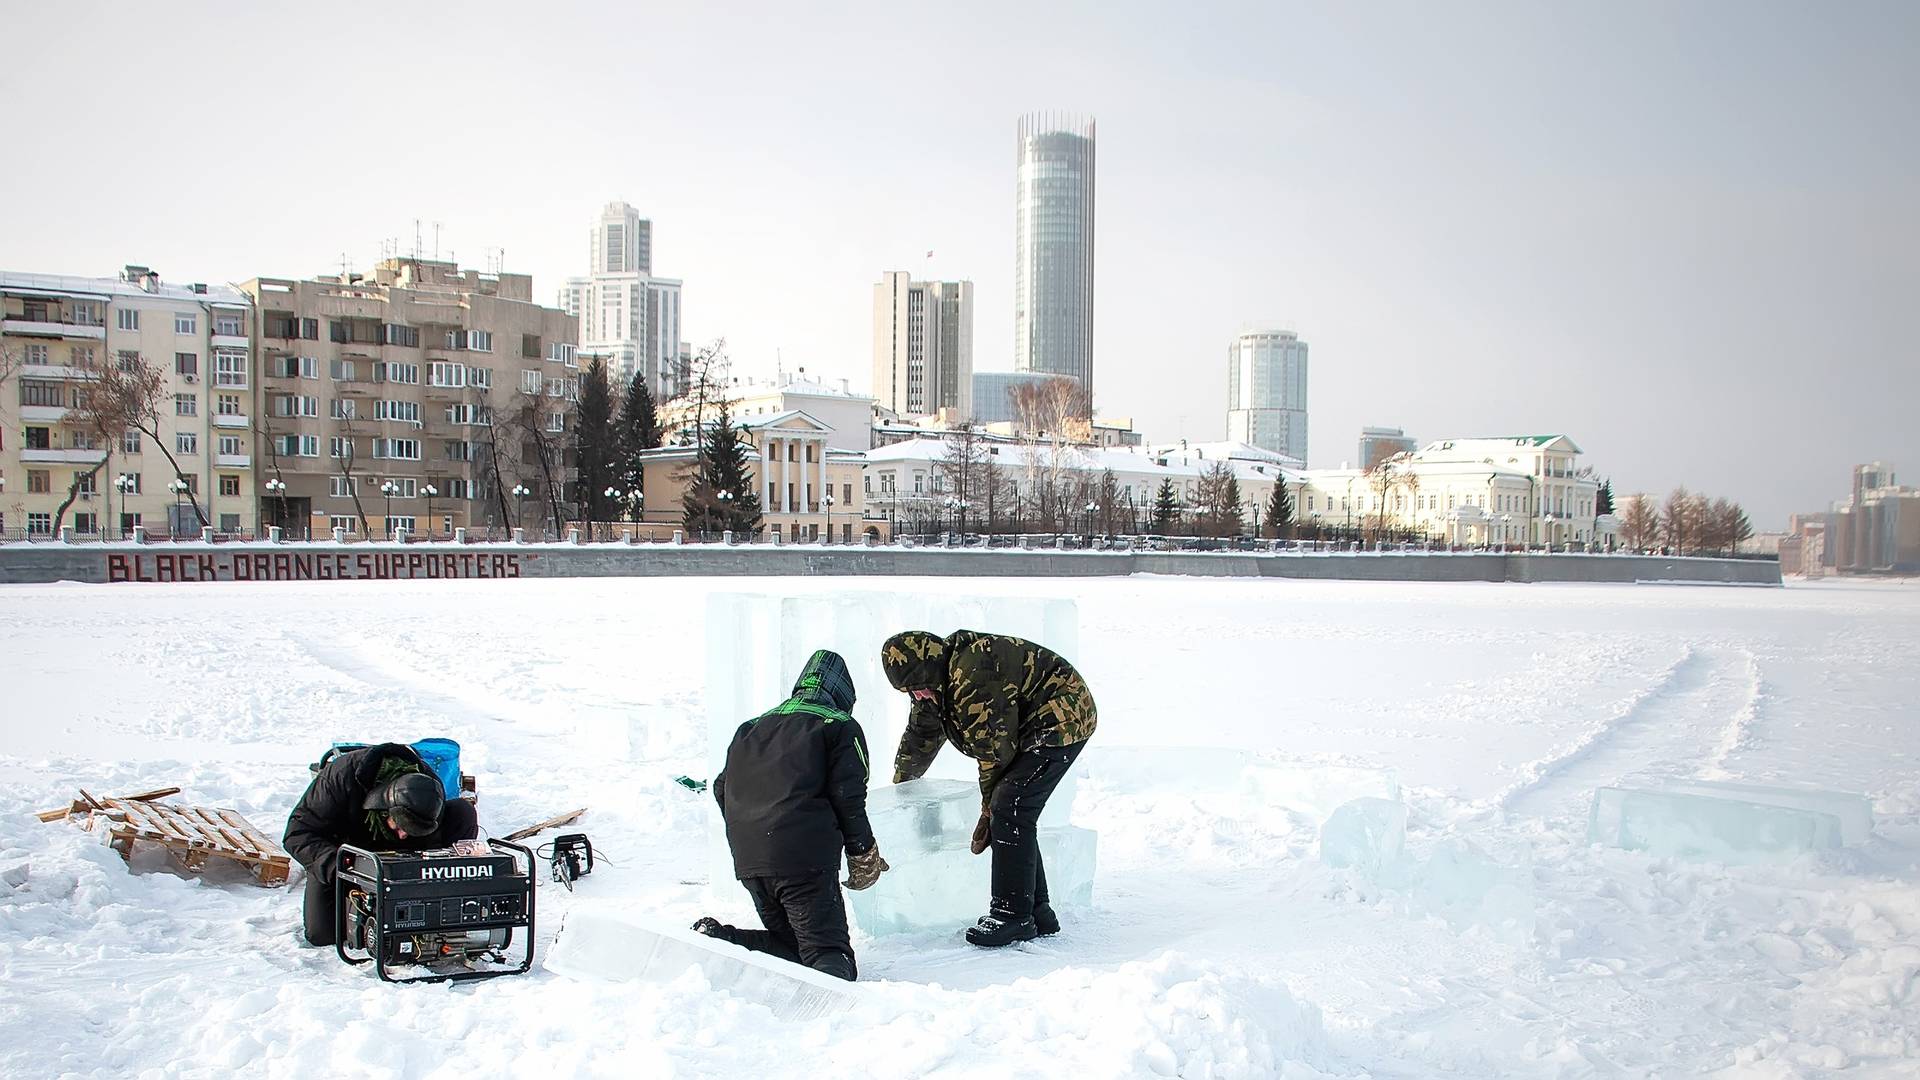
(1727, 822)
(756, 647)
(937, 883)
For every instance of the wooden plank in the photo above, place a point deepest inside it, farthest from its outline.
(550, 823)
(76, 807)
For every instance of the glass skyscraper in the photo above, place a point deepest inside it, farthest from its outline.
(1267, 392)
(1053, 255)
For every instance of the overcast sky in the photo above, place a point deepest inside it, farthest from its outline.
(1681, 233)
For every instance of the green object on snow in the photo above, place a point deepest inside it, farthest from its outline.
(690, 783)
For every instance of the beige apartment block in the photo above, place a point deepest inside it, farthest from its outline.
(422, 397)
(57, 334)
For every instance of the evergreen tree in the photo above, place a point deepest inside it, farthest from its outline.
(721, 495)
(595, 445)
(1603, 500)
(1280, 510)
(637, 429)
(1166, 506)
(1231, 521)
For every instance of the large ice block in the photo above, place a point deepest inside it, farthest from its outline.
(922, 815)
(1316, 791)
(598, 943)
(1855, 812)
(945, 886)
(1676, 824)
(1364, 835)
(758, 643)
(1467, 886)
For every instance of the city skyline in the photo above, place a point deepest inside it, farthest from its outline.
(1680, 236)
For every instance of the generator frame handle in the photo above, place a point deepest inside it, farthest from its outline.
(522, 855)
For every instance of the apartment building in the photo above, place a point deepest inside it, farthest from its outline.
(422, 397)
(58, 334)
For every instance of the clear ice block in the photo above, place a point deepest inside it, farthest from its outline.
(1364, 834)
(598, 943)
(1316, 791)
(1676, 824)
(943, 886)
(1855, 812)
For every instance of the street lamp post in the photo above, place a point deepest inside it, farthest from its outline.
(827, 501)
(520, 493)
(429, 491)
(1505, 521)
(278, 487)
(1091, 507)
(389, 490)
(726, 514)
(179, 488)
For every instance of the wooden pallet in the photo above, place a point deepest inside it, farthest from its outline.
(191, 835)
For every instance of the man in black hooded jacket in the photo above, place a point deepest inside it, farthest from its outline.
(794, 796)
(382, 798)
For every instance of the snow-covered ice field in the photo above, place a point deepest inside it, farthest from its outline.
(1218, 945)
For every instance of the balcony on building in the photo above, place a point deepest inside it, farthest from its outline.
(56, 371)
(52, 328)
(233, 461)
(43, 414)
(61, 457)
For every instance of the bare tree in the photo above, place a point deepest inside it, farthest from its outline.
(1051, 415)
(966, 469)
(1640, 527)
(1218, 496)
(1679, 522)
(141, 391)
(104, 412)
(540, 424)
(1389, 477)
(1107, 496)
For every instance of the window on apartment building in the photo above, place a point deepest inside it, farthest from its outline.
(346, 523)
(186, 363)
(342, 409)
(480, 377)
(919, 483)
(39, 481)
(340, 487)
(556, 388)
(443, 373)
(846, 494)
(310, 329)
(130, 443)
(530, 382)
(186, 405)
(457, 488)
(39, 524)
(185, 323)
(340, 446)
(407, 337)
(457, 450)
(403, 449)
(229, 486)
(128, 318)
(81, 356)
(404, 411)
(530, 346)
(299, 445)
(127, 360)
(341, 370)
(563, 352)
(83, 483)
(230, 369)
(34, 354)
(85, 312)
(35, 392)
(186, 442)
(132, 483)
(39, 438)
(86, 523)
(556, 422)
(229, 326)
(282, 324)
(230, 445)
(866, 485)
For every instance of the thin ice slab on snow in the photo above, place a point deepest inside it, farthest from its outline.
(601, 944)
(1683, 825)
(1365, 835)
(1854, 812)
(924, 828)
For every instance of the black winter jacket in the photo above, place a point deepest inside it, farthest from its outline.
(332, 813)
(794, 790)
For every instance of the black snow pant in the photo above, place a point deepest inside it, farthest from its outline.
(805, 920)
(458, 821)
(1019, 878)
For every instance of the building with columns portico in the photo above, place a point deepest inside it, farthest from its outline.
(807, 487)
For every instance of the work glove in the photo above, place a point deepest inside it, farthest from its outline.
(865, 868)
(981, 834)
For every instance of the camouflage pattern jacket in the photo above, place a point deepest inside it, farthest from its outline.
(998, 696)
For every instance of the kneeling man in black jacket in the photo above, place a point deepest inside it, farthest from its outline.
(382, 798)
(794, 796)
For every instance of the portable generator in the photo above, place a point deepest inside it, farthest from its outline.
(443, 913)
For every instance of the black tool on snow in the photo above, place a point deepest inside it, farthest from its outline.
(431, 916)
(572, 858)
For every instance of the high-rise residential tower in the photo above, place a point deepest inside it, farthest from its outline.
(628, 317)
(1267, 392)
(1053, 252)
(923, 345)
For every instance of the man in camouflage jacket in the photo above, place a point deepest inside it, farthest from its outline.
(1024, 714)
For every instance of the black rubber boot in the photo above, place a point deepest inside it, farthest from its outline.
(1045, 922)
(993, 931)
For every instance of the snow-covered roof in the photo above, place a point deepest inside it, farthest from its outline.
(1083, 458)
(1216, 451)
(106, 288)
